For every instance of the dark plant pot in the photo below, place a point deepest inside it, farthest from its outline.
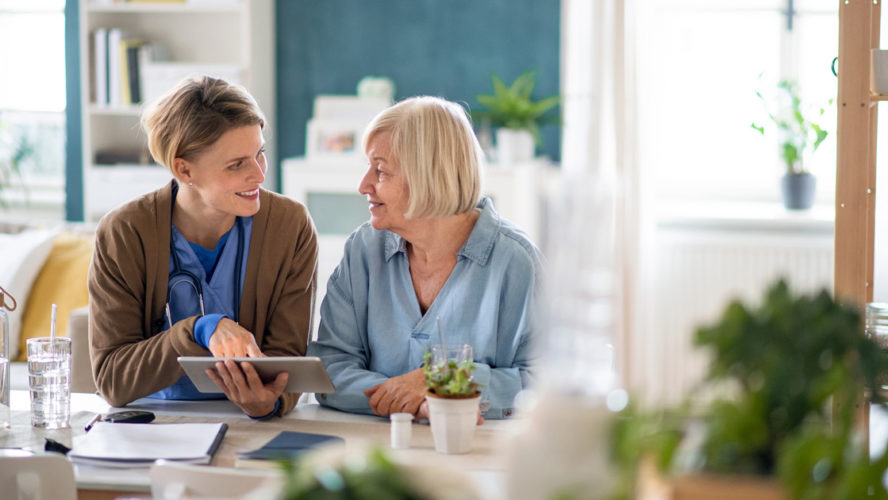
(798, 191)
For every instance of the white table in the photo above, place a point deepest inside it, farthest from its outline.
(483, 466)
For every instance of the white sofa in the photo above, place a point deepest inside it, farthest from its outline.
(81, 370)
(25, 249)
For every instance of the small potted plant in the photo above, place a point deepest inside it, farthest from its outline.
(799, 136)
(796, 369)
(453, 398)
(517, 117)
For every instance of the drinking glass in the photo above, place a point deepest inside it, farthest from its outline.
(458, 353)
(49, 380)
(4, 366)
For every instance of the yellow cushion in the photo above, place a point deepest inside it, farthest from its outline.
(61, 281)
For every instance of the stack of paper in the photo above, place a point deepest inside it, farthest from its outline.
(139, 445)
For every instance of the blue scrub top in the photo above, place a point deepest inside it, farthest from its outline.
(219, 293)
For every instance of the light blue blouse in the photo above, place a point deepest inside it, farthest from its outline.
(372, 329)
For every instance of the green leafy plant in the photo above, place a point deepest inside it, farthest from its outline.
(14, 150)
(449, 379)
(797, 132)
(511, 106)
(800, 366)
(374, 477)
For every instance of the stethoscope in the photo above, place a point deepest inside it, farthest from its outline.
(180, 275)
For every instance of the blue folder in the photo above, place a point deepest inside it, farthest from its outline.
(290, 444)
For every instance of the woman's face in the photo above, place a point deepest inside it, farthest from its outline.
(384, 185)
(226, 176)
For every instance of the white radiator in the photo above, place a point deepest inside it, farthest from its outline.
(696, 273)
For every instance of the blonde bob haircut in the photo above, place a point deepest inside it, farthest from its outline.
(193, 115)
(433, 141)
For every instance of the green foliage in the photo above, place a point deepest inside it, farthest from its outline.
(511, 106)
(636, 435)
(800, 366)
(789, 356)
(797, 132)
(13, 151)
(375, 477)
(449, 379)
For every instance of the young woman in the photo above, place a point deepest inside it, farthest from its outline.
(211, 264)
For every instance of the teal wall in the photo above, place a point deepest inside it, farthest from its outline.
(74, 137)
(447, 48)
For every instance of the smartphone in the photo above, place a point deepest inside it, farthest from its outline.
(129, 417)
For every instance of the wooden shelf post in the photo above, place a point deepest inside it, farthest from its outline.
(856, 151)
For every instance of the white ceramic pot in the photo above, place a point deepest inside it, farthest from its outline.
(513, 146)
(453, 422)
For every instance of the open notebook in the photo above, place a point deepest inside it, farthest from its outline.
(139, 445)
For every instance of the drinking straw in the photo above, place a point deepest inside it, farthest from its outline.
(52, 328)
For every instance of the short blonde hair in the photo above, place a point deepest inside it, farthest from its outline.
(194, 114)
(440, 156)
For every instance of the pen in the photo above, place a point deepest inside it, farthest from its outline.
(93, 421)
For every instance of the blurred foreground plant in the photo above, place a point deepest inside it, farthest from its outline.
(370, 477)
(801, 365)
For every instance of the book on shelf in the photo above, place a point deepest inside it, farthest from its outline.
(118, 61)
(115, 37)
(139, 445)
(99, 65)
(287, 445)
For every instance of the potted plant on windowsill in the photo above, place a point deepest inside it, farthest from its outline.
(517, 117)
(797, 368)
(453, 398)
(799, 137)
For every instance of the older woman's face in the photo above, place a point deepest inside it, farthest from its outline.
(384, 185)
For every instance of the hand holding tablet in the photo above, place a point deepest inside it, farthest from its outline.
(306, 374)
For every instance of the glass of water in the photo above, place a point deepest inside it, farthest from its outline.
(49, 380)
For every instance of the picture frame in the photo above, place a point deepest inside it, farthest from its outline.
(334, 139)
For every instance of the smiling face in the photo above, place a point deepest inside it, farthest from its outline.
(225, 177)
(385, 185)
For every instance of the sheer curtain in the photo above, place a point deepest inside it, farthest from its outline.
(600, 138)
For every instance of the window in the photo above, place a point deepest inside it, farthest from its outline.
(32, 99)
(700, 63)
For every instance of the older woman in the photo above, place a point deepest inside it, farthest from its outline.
(209, 264)
(431, 249)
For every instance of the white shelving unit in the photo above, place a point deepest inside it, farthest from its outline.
(231, 32)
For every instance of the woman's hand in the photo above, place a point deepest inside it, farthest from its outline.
(403, 393)
(230, 339)
(242, 385)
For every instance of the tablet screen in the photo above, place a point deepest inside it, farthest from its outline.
(306, 374)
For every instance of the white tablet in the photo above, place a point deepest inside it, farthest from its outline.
(307, 374)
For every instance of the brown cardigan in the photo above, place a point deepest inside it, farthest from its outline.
(131, 357)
